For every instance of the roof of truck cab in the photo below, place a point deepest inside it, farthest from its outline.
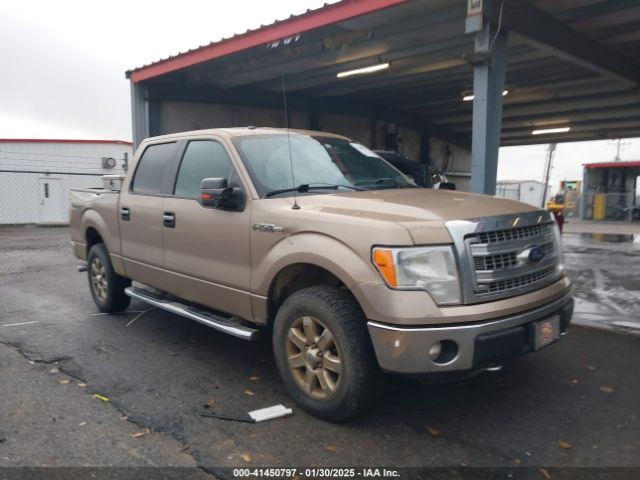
(243, 132)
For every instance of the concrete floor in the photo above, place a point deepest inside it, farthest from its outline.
(575, 225)
(160, 371)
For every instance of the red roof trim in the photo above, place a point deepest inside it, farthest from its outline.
(321, 17)
(57, 140)
(613, 164)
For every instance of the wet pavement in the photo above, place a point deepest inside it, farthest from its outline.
(573, 404)
(605, 270)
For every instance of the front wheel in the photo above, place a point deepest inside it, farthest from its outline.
(324, 353)
(107, 287)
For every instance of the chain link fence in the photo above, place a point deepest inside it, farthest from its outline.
(619, 206)
(40, 198)
(31, 204)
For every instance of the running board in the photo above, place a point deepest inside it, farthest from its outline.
(223, 324)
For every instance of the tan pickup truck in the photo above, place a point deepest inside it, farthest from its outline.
(314, 237)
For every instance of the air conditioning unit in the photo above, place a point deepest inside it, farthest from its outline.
(108, 162)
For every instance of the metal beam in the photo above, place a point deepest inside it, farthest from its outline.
(606, 134)
(139, 113)
(488, 83)
(549, 108)
(519, 92)
(545, 31)
(343, 49)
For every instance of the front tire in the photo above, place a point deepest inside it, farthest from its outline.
(107, 287)
(324, 354)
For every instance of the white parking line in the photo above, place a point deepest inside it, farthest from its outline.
(118, 313)
(141, 314)
(16, 324)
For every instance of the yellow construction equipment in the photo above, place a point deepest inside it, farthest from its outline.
(565, 198)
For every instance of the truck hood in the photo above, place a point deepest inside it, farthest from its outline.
(422, 212)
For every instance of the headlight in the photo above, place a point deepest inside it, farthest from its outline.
(420, 268)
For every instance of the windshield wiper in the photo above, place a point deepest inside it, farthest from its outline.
(305, 187)
(378, 181)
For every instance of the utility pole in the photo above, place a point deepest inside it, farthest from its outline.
(619, 145)
(550, 149)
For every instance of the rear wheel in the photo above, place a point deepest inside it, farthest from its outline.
(107, 287)
(324, 354)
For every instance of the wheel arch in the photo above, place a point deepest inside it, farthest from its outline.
(296, 277)
(92, 237)
(95, 230)
(325, 259)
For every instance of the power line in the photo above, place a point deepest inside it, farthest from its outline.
(44, 166)
(32, 160)
(51, 154)
(53, 173)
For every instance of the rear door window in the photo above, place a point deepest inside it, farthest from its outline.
(202, 159)
(152, 169)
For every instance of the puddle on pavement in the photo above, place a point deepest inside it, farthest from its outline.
(627, 242)
(611, 237)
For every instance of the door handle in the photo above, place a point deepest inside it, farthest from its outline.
(125, 214)
(169, 219)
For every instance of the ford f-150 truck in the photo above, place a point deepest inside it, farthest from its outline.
(352, 267)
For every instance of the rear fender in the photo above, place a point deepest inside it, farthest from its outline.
(109, 232)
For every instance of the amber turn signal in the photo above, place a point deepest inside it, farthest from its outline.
(383, 260)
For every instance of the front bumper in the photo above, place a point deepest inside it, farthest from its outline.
(405, 349)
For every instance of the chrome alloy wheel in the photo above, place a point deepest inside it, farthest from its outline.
(99, 283)
(314, 357)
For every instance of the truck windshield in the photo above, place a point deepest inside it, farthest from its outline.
(316, 161)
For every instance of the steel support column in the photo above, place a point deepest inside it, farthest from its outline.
(584, 197)
(139, 113)
(488, 85)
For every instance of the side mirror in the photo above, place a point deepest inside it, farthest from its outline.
(216, 193)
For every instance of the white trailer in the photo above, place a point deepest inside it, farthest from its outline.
(527, 191)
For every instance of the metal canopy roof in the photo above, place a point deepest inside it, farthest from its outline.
(570, 63)
(628, 164)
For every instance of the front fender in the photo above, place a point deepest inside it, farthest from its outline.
(316, 249)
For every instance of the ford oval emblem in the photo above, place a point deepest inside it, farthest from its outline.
(536, 254)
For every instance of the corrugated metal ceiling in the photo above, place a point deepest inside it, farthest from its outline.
(570, 62)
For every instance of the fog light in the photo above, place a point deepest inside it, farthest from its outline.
(443, 352)
(435, 350)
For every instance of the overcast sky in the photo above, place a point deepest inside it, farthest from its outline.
(63, 65)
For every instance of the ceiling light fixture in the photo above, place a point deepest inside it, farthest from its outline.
(364, 71)
(550, 130)
(468, 98)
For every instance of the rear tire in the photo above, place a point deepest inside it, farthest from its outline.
(324, 354)
(107, 287)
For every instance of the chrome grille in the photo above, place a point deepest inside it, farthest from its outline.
(519, 282)
(503, 260)
(494, 255)
(514, 233)
(493, 262)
